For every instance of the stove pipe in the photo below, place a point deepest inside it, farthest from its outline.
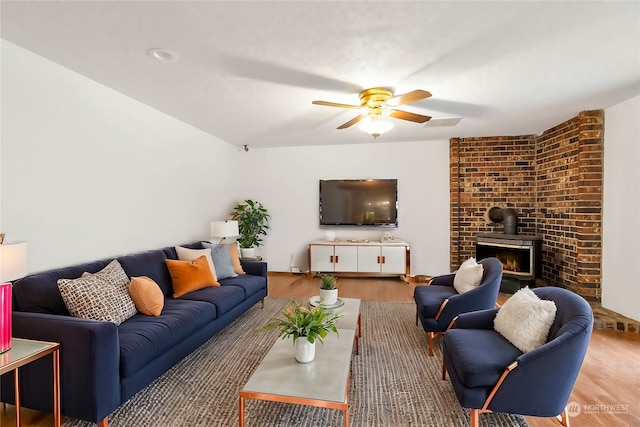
(507, 216)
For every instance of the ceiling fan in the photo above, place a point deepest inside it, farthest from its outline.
(377, 103)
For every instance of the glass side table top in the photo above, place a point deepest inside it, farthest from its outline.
(24, 351)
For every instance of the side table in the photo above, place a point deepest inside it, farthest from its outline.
(22, 353)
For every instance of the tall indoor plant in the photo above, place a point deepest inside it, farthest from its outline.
(253, 222)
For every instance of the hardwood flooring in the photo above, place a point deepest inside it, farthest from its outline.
(606, 390)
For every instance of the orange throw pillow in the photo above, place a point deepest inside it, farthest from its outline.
(235, 259)
(146, 295)
(189, 276)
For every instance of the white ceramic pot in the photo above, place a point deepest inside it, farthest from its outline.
(305, 351)
(248, 252)
(328, 296)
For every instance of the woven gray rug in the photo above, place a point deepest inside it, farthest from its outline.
(393, 382)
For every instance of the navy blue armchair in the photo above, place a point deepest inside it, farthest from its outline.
(439, 303)
(489, 374)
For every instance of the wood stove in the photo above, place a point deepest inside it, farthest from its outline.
(519, 254)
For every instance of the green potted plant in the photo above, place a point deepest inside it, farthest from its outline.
(253, 222)
(305, 325)
(328, 289)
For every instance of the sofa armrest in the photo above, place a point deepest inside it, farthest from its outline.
(481, 319)
(89, 365)
(444, 280)
(256, 268)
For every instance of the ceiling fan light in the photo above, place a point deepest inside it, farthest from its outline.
(375, 126)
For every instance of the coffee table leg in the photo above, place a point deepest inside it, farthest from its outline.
(358, 333)
(241, 410)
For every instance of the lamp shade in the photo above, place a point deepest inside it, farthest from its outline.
(224, 229)
(13, 261)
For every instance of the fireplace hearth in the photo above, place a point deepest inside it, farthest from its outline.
(519, 254)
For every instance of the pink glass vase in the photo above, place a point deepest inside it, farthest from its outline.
(5, 317)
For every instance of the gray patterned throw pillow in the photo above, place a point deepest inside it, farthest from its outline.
(100, 296)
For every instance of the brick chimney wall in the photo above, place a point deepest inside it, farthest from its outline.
(487, 172)
(553, 181)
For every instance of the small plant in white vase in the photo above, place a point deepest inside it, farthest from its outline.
(328, 290)
(306, 325)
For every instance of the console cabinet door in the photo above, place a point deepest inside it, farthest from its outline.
(346, 258)
(369, 259)
(394, 259)
(321, 258)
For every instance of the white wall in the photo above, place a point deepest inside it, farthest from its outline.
(285, 180)
(620, 230)
(87, 173)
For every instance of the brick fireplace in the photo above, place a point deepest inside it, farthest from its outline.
(553, 181)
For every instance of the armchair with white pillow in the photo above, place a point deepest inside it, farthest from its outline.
(474, 286)
(523, 358)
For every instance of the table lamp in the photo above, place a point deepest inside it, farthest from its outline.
(223, 229)
(13, 265)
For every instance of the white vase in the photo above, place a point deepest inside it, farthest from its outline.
(305, 351)
(248, 252)
(328, 296)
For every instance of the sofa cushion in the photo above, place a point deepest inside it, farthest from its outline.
(525, 320)
(189, 276)
(223, 260)
(479, 355)
(188, 254)
(250, 284)
(468, 276)
(225, 298)
(429, 298)
(101, 296)
(146, 295)
(150, 264)
(144, 338)
(235, 258)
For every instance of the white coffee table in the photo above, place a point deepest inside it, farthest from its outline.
(351, 318)
(324, 382)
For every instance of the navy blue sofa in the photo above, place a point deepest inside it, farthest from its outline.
(102, 365)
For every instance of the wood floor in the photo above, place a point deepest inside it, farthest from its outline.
(606, 391)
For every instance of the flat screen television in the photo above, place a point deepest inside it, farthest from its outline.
(359, 202)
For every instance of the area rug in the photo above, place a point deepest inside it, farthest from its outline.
(394, 382)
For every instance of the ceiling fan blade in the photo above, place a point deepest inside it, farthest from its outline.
(412, 117)
(409, 97)
(334, 104)
(352, 122)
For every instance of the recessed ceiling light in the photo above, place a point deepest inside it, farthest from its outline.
(163, 54)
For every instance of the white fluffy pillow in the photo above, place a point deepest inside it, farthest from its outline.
(468, 276)
(524, 320)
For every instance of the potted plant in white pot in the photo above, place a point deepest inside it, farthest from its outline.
(253, 222)
(305, 325)
(328, 289)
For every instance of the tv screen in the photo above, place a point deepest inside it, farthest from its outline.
(358, 202)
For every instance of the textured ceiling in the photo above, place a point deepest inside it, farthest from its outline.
(248, 71)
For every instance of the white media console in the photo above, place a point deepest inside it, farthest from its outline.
(360, 257)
